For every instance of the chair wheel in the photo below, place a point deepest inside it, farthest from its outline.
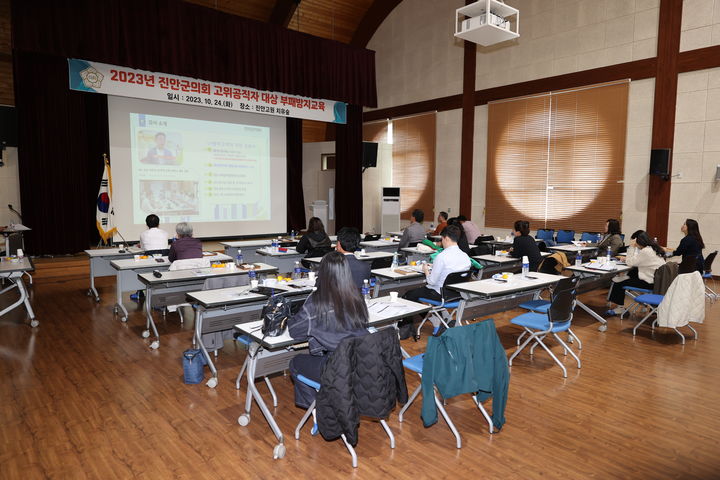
(155, 345)
(602, 328)
(146, 333)
(212, 383)
(123, 319)
(97, 299)
(34, 323)
(244, 420)
(279, 451)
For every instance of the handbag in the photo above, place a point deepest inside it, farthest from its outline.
(275, 315)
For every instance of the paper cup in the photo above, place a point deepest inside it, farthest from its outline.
(253, 283)
(362, 251)
(393, 296)
(136, 257)
(311, 276)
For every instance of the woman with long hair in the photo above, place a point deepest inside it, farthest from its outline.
(316, 241)
(462, 241)
(646, 256)
(692, 243)
(612, 238)
(334, 311)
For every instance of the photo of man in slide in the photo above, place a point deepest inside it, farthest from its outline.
(159, 155)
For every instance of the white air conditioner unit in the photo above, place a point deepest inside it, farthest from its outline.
(487, 22)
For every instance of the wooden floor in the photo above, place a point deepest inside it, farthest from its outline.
(82, 396)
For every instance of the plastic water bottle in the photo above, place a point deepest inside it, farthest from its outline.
(366, 290)
(239, 258)
(274, 246)
(252, 275)
(292, 235)
(297, 272)
(394, 264)
(609, 254)
(525, 266)
(578, 259)
(599, 238)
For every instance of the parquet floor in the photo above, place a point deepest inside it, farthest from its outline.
(82, 396)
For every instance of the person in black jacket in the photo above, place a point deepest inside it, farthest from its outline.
(525, 245)
(462, 243)
(348, 241)
(691, 245)
(315, 242)
(336, 310)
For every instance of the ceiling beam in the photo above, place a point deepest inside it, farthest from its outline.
(373, 18)
(283, 12)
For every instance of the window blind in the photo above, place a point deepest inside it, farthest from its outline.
(556, 160)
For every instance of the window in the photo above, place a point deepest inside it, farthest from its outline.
(557, 160)
(413, 159)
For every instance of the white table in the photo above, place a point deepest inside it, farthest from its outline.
(248, 248)
(13, 271)
(284, 261)
(592, 279)
(127, 270)
(400, 279)
(172, 286)
(395, 234)
(575, 251)
(381, 245)
(100, 259)
(497, 263)
(367, 257)
(483, 297)
(264, 350)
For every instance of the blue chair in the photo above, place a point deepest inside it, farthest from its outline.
(590, 237)
(707, 275)
(565, 236)
(450, 300)
(557, 319)
(633, 293)
(546, 236)
(653, 302)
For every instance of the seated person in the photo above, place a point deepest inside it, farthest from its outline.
(611, 238)
(334, 311)
(153, 240)
(348, 241)
(646, 256)
(450, 260)
(462, 242)
(525, 245)
(413, 233)
(442, 223)
(315, 242)
(185, 246)
(472, 232)
(691, 245)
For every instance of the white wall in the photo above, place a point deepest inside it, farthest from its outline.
(448, 126)
(696, 154)
(700, 24)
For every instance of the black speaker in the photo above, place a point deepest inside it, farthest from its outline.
(660, 162)
(370, 150)
(8, 126)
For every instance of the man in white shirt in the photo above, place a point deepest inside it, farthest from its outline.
(472, 232)
(154, 240)
(415, 232)
(450, 260)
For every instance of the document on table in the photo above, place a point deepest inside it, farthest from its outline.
(381, 310)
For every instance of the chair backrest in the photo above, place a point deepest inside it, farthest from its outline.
(190, 263)
(547, 265)
(481, 249)
(452, 279)
(484, 238)
(563, 300)
(545, 234)
(588, 236)
(371, 238)
(214, 283)
(318, 252)
(381, 263)
(663, 277)
(707, 267)
(565, 236)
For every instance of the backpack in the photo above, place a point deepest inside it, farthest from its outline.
(275, 315)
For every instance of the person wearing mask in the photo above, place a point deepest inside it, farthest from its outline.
(450, 260)
(185, 246)
(154, 240)
(611, 238)
(472, 232)
(442, 223)
(334, 311)
(691, 245)
(525, 245)
(646, 256)
(315, 242)
(414, 232)
(348, 242)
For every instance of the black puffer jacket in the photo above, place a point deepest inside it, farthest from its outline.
(364, 376)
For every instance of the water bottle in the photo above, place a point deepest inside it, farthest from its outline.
(366, 290)
(372, 283)
(599, 238)
(525, 266)
(609, 254)
(292, 235)
(394, 264)
(252, 275)
(274, 246)
(578, 259)
(297, 272)
(239, 258)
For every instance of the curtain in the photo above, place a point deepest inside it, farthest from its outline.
(348, 171)
(295, 198)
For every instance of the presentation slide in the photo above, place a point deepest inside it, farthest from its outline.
(224, 172)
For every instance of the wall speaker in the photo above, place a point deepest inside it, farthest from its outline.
(370, 150)
(717, 173)
(660, 162)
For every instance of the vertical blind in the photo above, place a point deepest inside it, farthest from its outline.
(557, 160)
(413, 162)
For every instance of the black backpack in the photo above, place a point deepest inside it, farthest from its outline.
(275, 315)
